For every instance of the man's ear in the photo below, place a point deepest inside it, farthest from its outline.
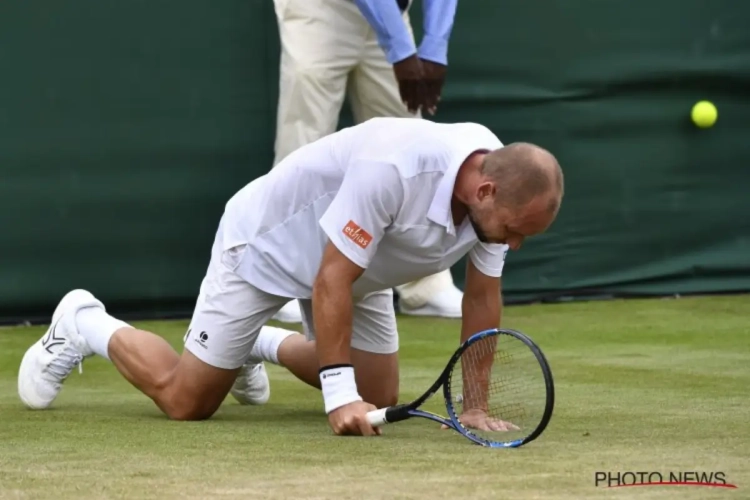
(486, 189)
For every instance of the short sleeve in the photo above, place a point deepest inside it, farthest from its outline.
(366, 203)
(489, 258)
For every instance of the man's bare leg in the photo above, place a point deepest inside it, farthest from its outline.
(183, 387)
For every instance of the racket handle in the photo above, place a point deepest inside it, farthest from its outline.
(376, 418)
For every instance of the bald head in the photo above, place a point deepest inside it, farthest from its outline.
(522, 172)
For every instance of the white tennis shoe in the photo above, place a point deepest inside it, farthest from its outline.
(444, 304)
(252, 386)
(290, 313)
(48, 362)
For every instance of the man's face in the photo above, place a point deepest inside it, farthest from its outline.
(490, 225)
(494, 223)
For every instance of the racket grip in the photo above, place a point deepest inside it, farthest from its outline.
(376, 418)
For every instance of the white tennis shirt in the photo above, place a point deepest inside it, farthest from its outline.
(380, 191)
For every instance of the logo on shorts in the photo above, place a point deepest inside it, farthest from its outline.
(201, 340)
(358, 235)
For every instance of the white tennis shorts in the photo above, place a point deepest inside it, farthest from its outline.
(230, 312)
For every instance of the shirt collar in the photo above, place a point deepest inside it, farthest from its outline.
(440, 209)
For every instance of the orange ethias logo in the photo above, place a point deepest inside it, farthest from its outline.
(357, 234)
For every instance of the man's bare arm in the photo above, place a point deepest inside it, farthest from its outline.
(332, 317)
(332, 306)
(481, 310)
(482, 304)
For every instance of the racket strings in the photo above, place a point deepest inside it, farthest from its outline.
(498, 386)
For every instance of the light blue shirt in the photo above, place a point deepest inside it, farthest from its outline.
(393, 36)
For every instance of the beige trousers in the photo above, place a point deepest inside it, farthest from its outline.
(329, 51)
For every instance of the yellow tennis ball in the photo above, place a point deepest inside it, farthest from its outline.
(704, 114)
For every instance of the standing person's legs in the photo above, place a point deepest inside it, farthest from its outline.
(374, 349)
(373, 92)
(321, 41)
(228, 315)
(319, 47)
(373, 89)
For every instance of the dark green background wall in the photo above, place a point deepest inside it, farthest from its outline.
(125, 126)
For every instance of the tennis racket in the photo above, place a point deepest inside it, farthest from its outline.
(498, 391)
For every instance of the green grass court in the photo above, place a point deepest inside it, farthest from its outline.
(656, 385)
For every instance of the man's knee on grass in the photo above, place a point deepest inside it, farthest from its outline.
(194, 389)
(189, 411)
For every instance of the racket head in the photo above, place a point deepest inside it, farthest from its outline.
(508, 371)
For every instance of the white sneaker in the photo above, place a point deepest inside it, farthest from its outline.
(444, 304)
(252, 386)
(48, 362)
(290, 313)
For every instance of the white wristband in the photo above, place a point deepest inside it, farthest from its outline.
(339, 387)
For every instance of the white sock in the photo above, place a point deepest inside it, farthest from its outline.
(266, 348)
(97, 327)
